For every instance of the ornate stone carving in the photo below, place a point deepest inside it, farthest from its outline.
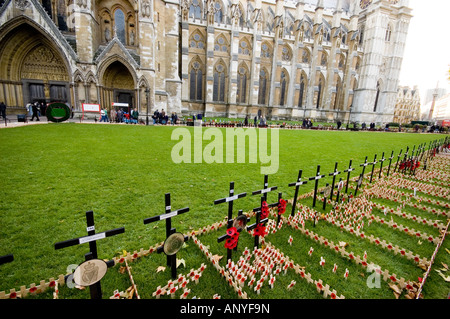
(22, 4)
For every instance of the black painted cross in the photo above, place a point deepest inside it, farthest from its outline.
(266, 189)
(339, 187)
(230, 199)
(242, 219)
(260, 223)
(172, 258)
(373, 167)
(359, 183)
(334, 174)
(316, 184)
(390, 162)
(297, 185)
(95, 289)
(348, 171)
(381, 165)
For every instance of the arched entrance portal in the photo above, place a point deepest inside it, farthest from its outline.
(118, 85)
(31, 68)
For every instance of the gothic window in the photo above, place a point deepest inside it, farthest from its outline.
(242, 77)
(196, 82)
(195, 11)
(344, 39)
(361, 36)
(377, 97)
(218, 15)
(244, 47)
(341, 62)
(308, 33)
(302, 91)
(305, 56)
(387, 37)
(197, 41)
(319, 93)
(265, 51)
(119, 20)
(286, 54)
(336, 97)
(326, 36)
(323, 59)
(283, 86)
(263, 79)
(221, 44)
(219, 83)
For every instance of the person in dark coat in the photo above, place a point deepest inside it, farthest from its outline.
(35, 109)
(3, 110)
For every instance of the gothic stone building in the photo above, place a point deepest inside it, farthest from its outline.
(407, 106)
(320, 59)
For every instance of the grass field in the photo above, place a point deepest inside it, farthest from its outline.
(52, 174)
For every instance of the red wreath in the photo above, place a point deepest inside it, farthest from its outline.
(264, 210)
(281, 206)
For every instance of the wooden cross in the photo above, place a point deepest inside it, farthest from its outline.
(364, 165)
(297, 185)
(338, 190)
(358, 183)
(381, 165)
(334, 174)
(316, 178)
(373, 167)
(258, 222)
(95, 289)
(348, 171)
(230, 199)
(225, 237)
(266, 189)
(171, 259)
(6, 259)
(398, 158)
(390, 162)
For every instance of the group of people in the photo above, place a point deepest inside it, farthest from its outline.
(163, 118)
(307, 123)
(3, 110)
(120, 116)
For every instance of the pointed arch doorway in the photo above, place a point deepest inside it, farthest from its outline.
(118, 86)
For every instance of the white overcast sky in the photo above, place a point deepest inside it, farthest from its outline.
(427, 52)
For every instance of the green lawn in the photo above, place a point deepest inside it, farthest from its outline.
(52, 174)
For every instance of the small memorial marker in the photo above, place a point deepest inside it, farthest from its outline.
(90, 272)
(261, 219)
(348, 171)
(174, 241)
(373, 167)
(381, 165)
(390, 162)
(297, 185)
(334, 174)
(232, 226)
(316, 184)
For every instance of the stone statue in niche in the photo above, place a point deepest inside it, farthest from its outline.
(146, 8)
(131, 38)
(107, 34)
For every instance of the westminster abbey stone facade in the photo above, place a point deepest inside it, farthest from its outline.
(291, 59)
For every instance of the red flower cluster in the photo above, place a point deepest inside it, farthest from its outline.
(264, 210)
(232, 240)
(260, 230)
(410, 164)
(281, 206)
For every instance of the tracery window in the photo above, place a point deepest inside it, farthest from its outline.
(283, 85)
(244, 47)
(219, 83)
(197, 41)
(195, 10)
(221, 44)
(242, 77)
(263, 80)
(218, 15)
(305, 56)
(286, 54)
(196, 82)
(119, 19)
(265, 51)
